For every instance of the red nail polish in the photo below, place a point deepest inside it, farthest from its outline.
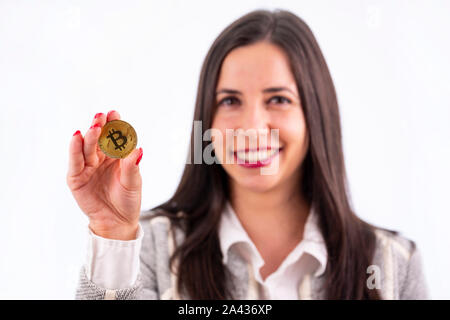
(109, 113)
(95, 126)
(77, 132)
(98, 115)
(140, 156)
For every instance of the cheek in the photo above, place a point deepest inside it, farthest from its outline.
(219, 139)
(222, 124)
(296, 133)
(293, 132)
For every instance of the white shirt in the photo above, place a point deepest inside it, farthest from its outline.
(308, 257)
(114, 264)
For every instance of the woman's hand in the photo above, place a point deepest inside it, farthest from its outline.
(107, 190)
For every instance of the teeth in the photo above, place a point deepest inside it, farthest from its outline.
(254, 156)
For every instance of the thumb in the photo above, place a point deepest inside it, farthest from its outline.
(130, 177)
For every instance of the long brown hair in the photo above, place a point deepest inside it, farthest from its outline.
(204, 189)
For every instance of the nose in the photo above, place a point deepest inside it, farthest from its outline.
(255, 117)
(255, 124)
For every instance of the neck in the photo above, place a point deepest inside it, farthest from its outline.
(276, 215)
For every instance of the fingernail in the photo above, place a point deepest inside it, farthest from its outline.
(141, 152)
(77, 132)
(109, 113)
(95, 126)
(98, 115)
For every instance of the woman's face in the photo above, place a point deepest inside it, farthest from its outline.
(265, 98)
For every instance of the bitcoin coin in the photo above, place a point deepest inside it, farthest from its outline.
(117, 139)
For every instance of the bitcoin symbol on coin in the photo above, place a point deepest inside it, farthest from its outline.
(117, 139)
(114, 140)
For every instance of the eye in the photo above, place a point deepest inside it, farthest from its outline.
(228, 101)
(280, 98)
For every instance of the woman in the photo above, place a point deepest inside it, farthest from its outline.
(230, 231)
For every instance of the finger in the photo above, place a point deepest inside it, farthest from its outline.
(76, 157)
(130, 177)
(91, 156)
(99, 118)
(112, 115)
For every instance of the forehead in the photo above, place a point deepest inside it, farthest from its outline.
(254, 66)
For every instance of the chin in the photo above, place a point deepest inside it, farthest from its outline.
(258, 183)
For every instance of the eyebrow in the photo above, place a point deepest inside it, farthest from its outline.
(272, 89)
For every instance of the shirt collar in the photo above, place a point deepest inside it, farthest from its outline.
(232, 232)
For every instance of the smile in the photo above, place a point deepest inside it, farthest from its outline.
(255, 158)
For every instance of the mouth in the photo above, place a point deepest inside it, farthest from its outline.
(256, 158)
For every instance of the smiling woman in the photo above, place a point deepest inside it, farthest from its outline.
(230, 231)
(267, 99)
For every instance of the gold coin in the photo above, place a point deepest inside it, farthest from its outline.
(117, 139)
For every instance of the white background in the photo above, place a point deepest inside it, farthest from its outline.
(63, 61)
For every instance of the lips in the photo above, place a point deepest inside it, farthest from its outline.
(257, 157)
